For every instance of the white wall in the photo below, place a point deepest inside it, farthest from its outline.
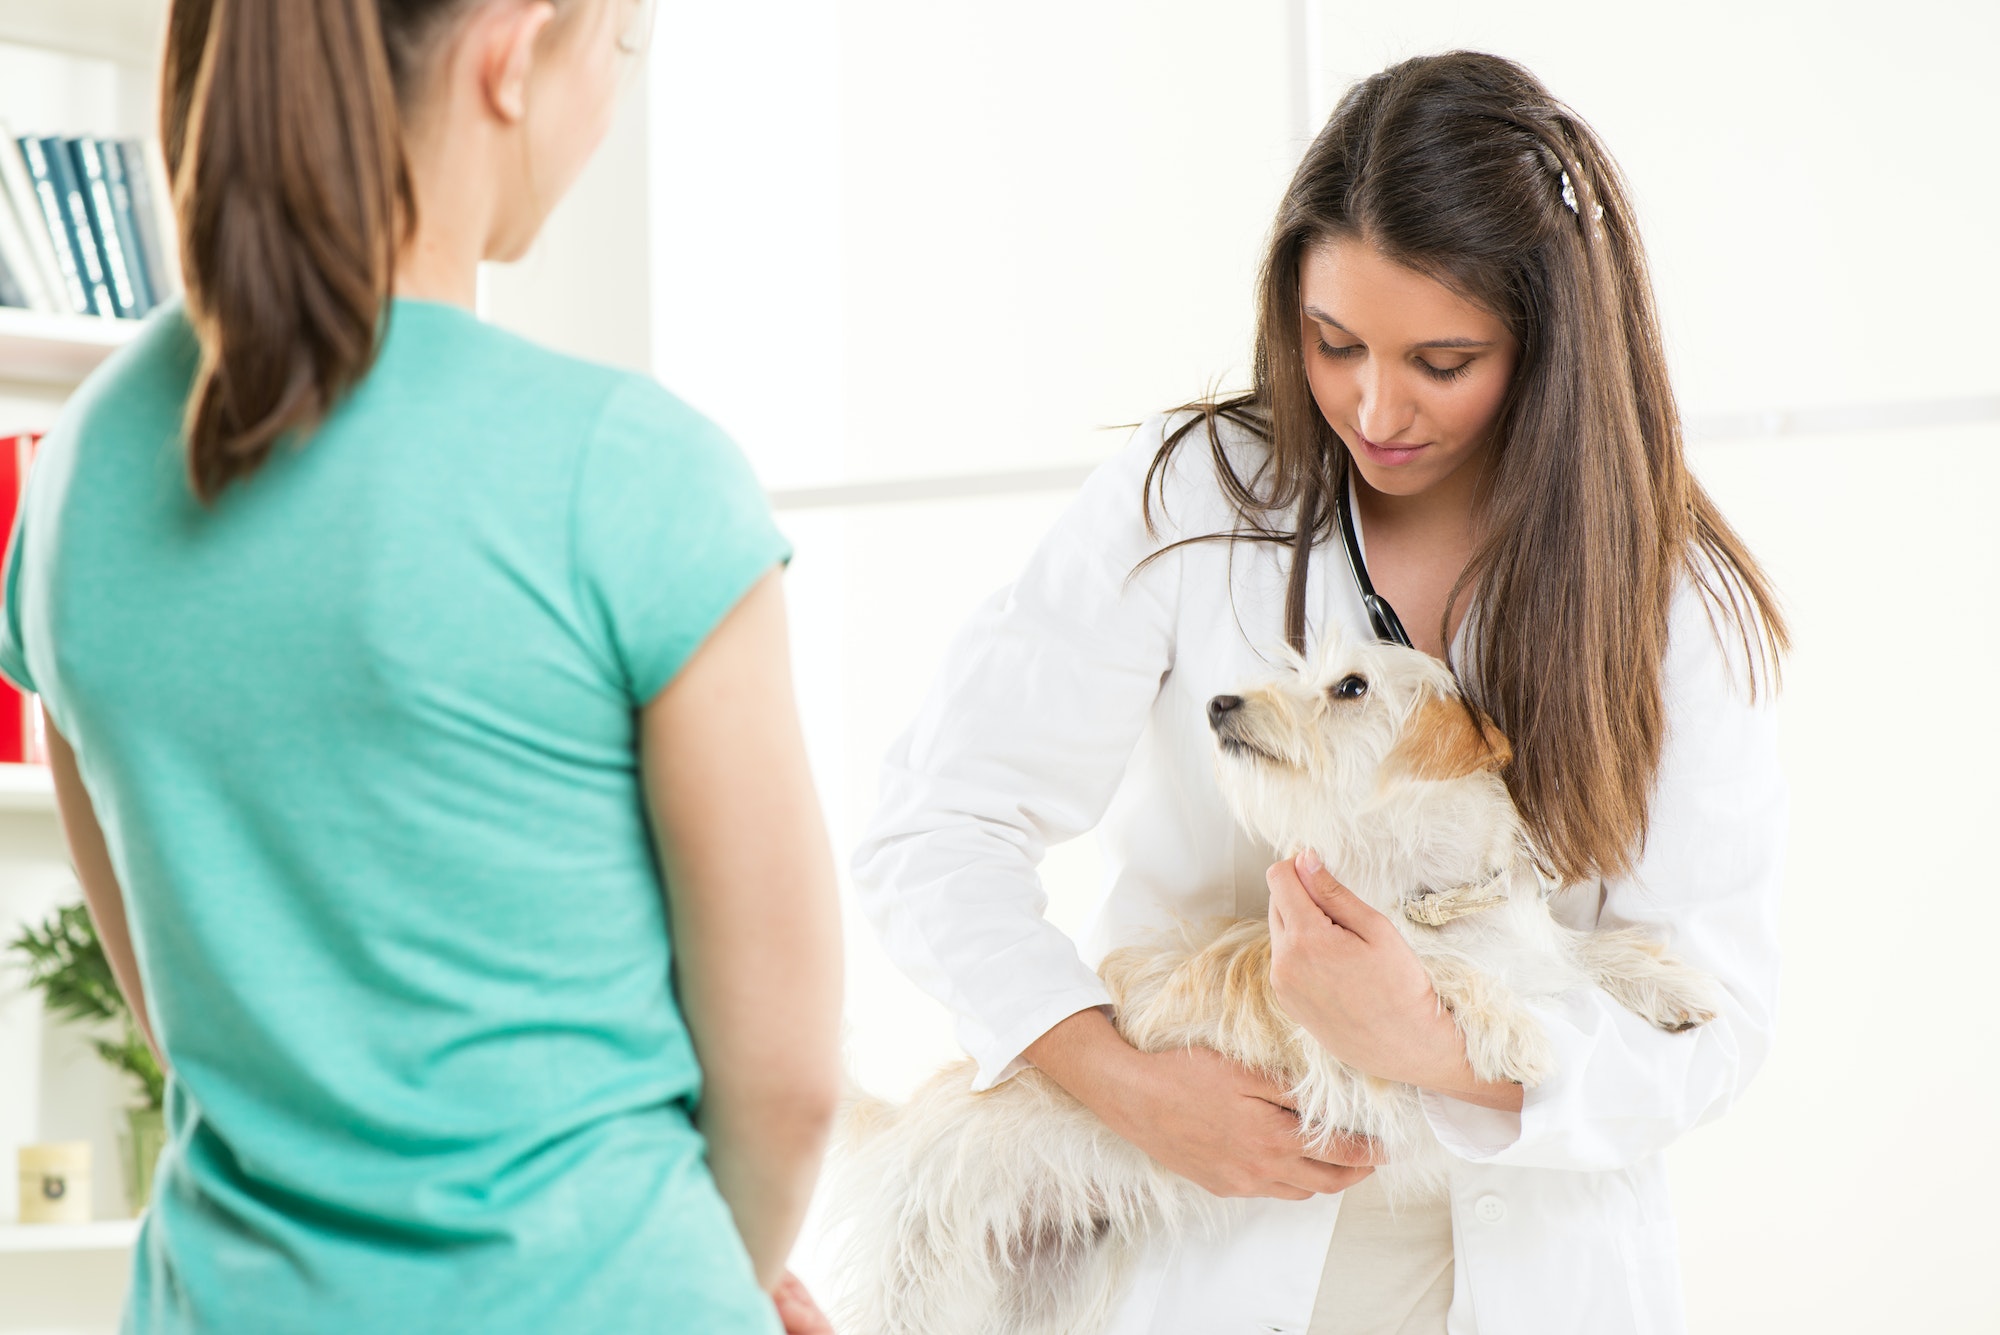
(1851, 1189)
(921, 237)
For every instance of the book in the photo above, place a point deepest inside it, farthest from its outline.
(128, 224)
(10, 289)
(17, 253)
(50, 204)
(76, 220)
(18, 198)
(152, 204)
(19, 718)
(88, 163)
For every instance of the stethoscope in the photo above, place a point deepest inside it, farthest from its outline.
(1381, 616)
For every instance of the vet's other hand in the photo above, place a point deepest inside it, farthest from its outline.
(1345, 974)
(1195, 1112)
(797, 1310)
(1226, 1129)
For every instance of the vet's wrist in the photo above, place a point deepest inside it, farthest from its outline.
(1087, 1056)
(1450, 1073)
(1435, 1059)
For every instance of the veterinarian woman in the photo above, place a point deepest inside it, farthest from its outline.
(1455, 323)
(383, 653)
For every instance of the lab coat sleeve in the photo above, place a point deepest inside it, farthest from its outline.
(1020, 744)
(1707, 885)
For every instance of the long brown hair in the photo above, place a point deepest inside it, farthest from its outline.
(1464, 168)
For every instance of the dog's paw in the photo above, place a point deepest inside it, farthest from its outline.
(1506, 1043)
(1680, 1000)
(1661, 990)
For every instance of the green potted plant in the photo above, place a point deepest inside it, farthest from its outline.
(67, 965)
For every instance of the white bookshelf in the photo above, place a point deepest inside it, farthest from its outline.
(127, 32)
(60, 350)
(88, 67)
(70, 67)
(109, 1235)
(27, 789)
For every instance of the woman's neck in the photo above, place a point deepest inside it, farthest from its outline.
(432, 272)
(1418, 546)
(455, 200)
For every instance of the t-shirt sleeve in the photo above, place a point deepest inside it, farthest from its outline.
(13, 650)
(671, 529)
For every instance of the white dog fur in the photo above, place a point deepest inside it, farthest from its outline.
(1016, 1212)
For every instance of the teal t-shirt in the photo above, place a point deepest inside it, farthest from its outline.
(362, 740)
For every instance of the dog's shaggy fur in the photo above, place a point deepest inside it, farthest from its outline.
(1016, 1212)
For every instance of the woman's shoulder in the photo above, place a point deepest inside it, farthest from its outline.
(1719, 646)
(1175, 470)
(149, 376)
(509, 386)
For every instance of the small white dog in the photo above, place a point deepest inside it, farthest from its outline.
(1016, 1212)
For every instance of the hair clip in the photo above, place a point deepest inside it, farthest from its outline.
(1569, 201)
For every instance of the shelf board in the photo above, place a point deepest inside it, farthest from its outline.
(108, 1235)
(130, 32)
(57, 349)
(27, 788)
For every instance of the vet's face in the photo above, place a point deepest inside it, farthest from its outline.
(1410, 374)
(1331, 738)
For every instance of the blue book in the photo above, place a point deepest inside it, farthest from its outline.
(76, 227)
(148, 219)
(47, 194)
(123, 210)
(82, 235)
(89, 164)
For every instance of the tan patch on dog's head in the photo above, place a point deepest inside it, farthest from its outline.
(1449, 739)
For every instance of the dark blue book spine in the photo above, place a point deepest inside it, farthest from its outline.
(76, 213)
(155, 228)
(89, 166)
(128, 225)
(48, 195)
(83, 216)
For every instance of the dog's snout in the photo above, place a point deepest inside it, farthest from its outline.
(1221, 707)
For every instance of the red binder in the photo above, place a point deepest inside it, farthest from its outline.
(20, 720)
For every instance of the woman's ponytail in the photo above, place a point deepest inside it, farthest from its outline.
(281, 127)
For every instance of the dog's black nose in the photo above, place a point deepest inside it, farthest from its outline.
(1222, 705)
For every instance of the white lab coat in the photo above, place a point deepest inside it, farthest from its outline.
(1075, 698)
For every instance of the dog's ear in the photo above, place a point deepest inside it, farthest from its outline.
(1446, 738)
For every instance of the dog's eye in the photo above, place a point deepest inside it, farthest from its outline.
(1349, 688)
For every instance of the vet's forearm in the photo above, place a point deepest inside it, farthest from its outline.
(1451, 1074)
(1086, 1056)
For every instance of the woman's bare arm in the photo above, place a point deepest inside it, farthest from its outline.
(755, 917)
(101, 891)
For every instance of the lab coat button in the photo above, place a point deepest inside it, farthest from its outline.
(1490, 1209)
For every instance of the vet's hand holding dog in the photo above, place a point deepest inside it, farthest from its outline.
(1345, 973)
(1224, 1127)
